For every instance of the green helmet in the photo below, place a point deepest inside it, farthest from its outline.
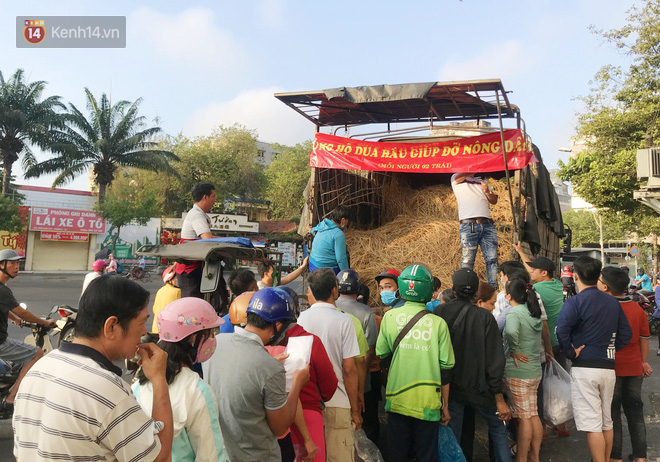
(416, 284)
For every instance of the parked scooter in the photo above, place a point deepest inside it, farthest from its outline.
(9, 371)
(41, 336)
(67, 323)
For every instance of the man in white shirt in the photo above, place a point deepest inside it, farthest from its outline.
(477, 228)
(196, 225)
(337, 333)
(98, 267)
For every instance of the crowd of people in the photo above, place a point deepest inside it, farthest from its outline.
(269, 382)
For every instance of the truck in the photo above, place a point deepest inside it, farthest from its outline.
(388, 152)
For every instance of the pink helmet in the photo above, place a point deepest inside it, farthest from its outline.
(184, 317)
(98, 265)
(168, 274)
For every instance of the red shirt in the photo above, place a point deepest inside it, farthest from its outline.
(628, 360)
(322, 378)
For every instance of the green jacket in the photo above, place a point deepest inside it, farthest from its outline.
(522, 334)
(552, 296)
(414, 381)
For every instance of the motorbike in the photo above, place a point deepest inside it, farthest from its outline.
(9, 371)
(138, 274)
(67, 323)
(8, 375)
(647, 301)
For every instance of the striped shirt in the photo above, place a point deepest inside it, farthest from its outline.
(73, 405)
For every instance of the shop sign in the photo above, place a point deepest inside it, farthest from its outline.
(16, 241)
(64, 236)
(77, 221)
(219, 222)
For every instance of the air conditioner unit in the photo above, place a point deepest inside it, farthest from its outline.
(648, 166)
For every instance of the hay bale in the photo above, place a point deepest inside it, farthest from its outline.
(422, 227)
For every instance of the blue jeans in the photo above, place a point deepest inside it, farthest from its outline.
(474, 235)
(496, 427)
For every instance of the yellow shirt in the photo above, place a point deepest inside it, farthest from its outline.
(165, 295)
(362, 340)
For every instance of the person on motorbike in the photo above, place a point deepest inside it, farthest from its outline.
(568, 281)
(98, 268)
(644, 281)
(113, 267)
(10, 349)
(194, 406)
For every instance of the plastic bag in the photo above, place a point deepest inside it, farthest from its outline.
(557, 405)
(448, 448)
(365, 449)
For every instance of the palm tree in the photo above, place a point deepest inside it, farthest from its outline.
(25, 119)
(114, 136)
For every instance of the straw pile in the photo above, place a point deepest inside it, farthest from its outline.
(422, 227)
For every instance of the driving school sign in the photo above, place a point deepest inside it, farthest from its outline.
(77, 221)
(474, 154)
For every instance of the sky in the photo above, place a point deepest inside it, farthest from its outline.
(200, 64)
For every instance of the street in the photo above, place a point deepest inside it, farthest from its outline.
(41, 291)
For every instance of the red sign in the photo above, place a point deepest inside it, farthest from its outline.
(468, 155)
(64, 236)
(77, 221)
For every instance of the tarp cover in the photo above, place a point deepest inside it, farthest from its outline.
(376, 93)
(474, 154)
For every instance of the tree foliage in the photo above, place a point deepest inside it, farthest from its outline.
(112, 136)
(226, 158)
(621, 116)
(586, 231)
(127, 204)
(10, 217)
(287, 177)
(26, 118)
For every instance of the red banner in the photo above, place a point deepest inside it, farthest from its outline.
(77, 221)
(467, 155)
(64, 236)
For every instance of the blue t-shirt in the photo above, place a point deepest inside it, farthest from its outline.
(645, 282)
(227, 327)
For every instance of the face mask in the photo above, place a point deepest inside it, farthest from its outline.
(206, 350)
(388, 297)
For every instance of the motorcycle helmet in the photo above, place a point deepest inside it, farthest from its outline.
(184, 317)
(349, 282)
(9, 255)
(273, 305)
(567, 268)
(98, 265)
(294, 297)
(416, 284)
(238, 309)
